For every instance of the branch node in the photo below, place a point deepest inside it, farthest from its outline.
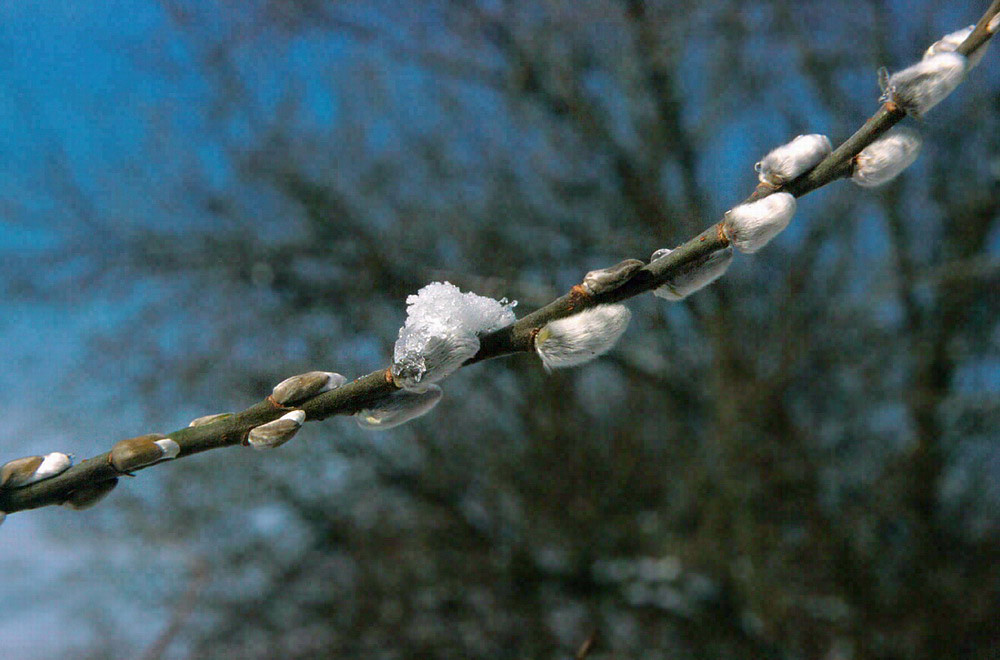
(720, 232)
(892, 106)
(765, 188)
(274, 404)
(117, 471)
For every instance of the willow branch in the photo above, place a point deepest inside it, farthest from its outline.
(516, 338)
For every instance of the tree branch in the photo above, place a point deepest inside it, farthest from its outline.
(516, 338)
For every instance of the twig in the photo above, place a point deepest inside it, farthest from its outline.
(516, 338)
(182, 611)
(586, 647)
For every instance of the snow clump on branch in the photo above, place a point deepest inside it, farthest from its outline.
(399, 408)
(789, 161)
(883, 160)
(949, 42)
(920, 87)
(441, 332)
(694, 276)
(30, 469)
(580, 338)
(749, 227)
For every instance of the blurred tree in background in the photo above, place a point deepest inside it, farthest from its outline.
(798, 462)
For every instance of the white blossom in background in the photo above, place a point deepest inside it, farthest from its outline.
(694, 276)
(89, 495)
(883, 160)
(399, 408)
(441, 332)
(277, 432)
(749, 227)
(580, 338)
(305, 386)
(133, 453)
(794, 159)
(949, 42)
(30, 469)
(920, 87)
(607, 279)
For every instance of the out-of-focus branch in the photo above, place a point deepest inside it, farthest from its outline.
(515, 338)
(182, 611)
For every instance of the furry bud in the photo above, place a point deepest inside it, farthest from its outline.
(992, 27)
(949, 42)
(920, 87)
(88, 496)
(28, 470)
(441, 355)
(789, 161)
(278, 432)
(208, 419)
(134, 453)
(693, 276)
(305, 386)
(399, 408)
(169, 447)
(883, 160)
(749, 227)
(608, 279)
(582, 337)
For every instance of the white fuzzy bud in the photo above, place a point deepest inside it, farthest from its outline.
(993, 26)
(883, 160)
(582, 337)
(133, 453)
(399, 408)
(693, 276)
(305, 386)
(920, 87)
(30, 469)
(17, 472)
(88, 496)
(277, 432)
(54, 464)
(794, 159)
(208, 419)
(169, 447)
(949, 42)
(441, 355)
(749, 227)
(608, 279)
